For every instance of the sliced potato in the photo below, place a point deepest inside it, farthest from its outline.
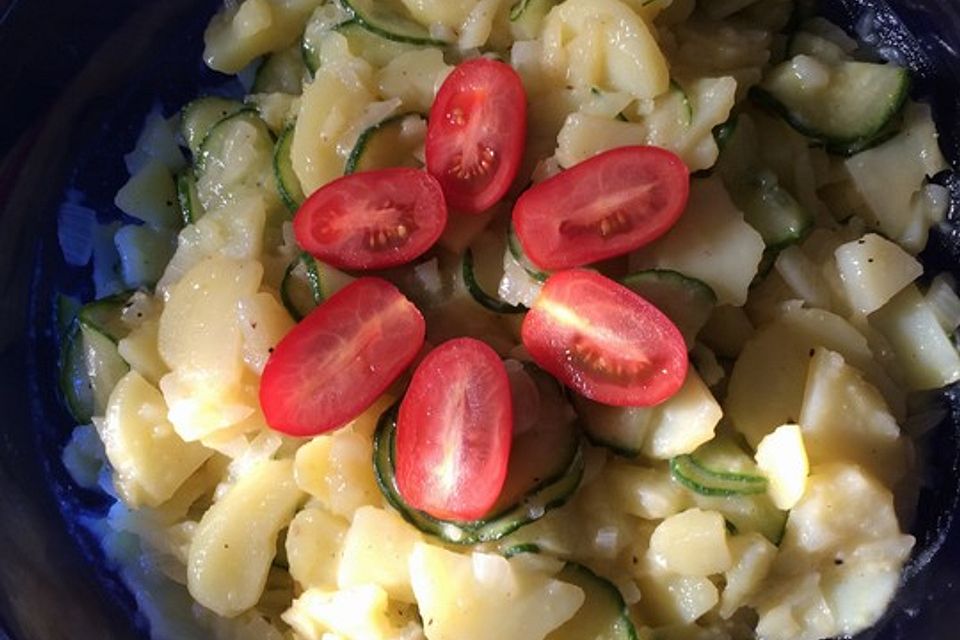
(482, 596)
(376, 550)
(199, 331)
(844, 514)
(336, 96)
(314, 547)
(241, 32)
(692, 543)
(263, 323)
(753, 557)
(237, 538)
(644, 492)
(767, 383)
(873, 270)
(673, 599)
(336, 470)
(782, 457)
(844, 419)
(926, 357)
(150, 461)
(234, 231)
(710, 242)
(414, 77)
(603, 44)
(683, 422)
(358, 612)
(795, 609)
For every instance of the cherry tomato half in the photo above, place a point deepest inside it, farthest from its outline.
(603, 207)
(476, 133)
(604, 341)
(454, 431)
(373, 219)
(340, 358)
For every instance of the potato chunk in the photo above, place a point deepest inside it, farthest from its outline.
(692, 543)
(236, 539)
(483, 596)
(150, 461)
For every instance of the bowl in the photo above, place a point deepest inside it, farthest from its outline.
(77, 85)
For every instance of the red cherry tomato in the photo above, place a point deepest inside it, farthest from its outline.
(454, 431)
(372, 220)
(605, 341)
(340, 358)
(476, 133)
(603, 207)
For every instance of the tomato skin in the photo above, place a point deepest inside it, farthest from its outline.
(373, 219)
(454, 432)
(603, 340)
(476, 133)
(606, 206)
(339, 359)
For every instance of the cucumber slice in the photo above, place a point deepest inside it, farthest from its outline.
(387, 144)
(518, 9)
(688, 302)
(372, 46)
(603, 615)
(767, 207)
(527, 16)
(75, 387)
(772, 211)
(281, 72)
(516, 250)
(546, 466)
(390, 20)
(750, 513)
(65, 312)
(855, 105)
(722, 477)
(200, 115)
(90, 362)
(105, 316)
(620, 429)
(325, 18)
(482, 269)
(307, 282)
(191, 209)
(362, 42)
(236, 158)
(700, 479)
(517, 549)
(724, 131)
(288, 184)
(482, 297)
(300, 289)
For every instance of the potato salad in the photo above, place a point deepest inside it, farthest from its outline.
(517, 320)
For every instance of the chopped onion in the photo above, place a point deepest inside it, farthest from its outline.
(107, 279)
(606, 542)
(944, 302)
(75, 231)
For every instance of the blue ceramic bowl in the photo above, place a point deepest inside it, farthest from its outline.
(77, 80)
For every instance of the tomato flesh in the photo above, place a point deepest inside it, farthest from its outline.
(603, 207)
(454, 432)
(373, 219)
(603, 340)
(340, 358)
(476, 133)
